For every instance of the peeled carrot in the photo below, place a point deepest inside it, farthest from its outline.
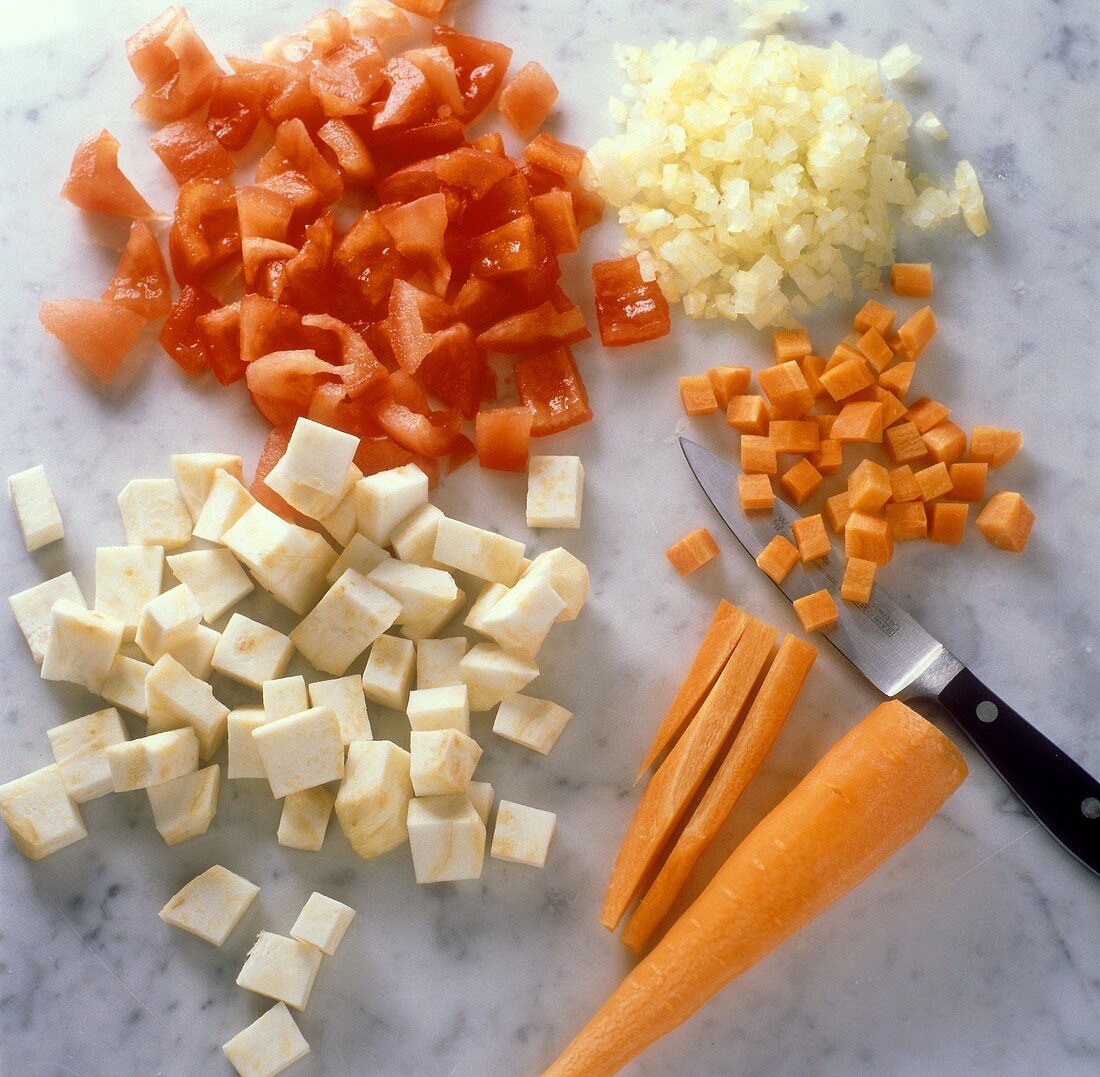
(754, 740)
(676, 781)
(726, 628)
(871, 793)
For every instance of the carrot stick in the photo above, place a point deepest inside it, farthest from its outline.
(725, 630)
(676, 781)
(750, 748)
(872, 792)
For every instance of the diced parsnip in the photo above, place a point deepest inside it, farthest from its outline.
(778, 558)
(345, 698)
(491, 673)
(40, 814)
(211, 904)
(81, 645)
(244, 757)
(174, 699)
(195, 474)
(360, 554)
(372, 804)
(442, 761)
(214, 577)
(790, 344)
(341, 522)
(728, 382)
(836, 511)
(869, 486)
(167, 620)
(251, 653)
(568, 575)
(755, 493)
(811, 538)
(904, 444)
(522, 618)
(447, 838)
(908, 521)
(80, 751)
(868, 538)
(994, 446)
(437, 661)
(304, 820)
(946, 442)
(435, 622)
(903, 485)
(794, 436)
(934, 481)
(816, 611)
(446, 707)
(947, 522)
(873, 315)
(786, 388)
(847, 378)
(1006, 521)
(693, 551)
(858, 581)
(281, 968)
(747, 414)
(273, 1042)
(798, 482)
(758, 455)
(898, 379)
(967, 481)
(912, 279)
(522, 834)
(323, 922)
(317, 457)
(153, 514)
(413, 539)
(184, 807)
(35, 508)
(697, 395)
(301, 751)
(860, 421)
(32, 609)
(138, 764)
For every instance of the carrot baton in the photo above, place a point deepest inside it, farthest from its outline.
(750, 748)
(873, 791)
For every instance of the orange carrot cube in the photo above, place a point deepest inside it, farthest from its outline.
(825, 423)
(790, 344)
(908, 520)
(912, 279)
(1006, 521)
(728, 382)
(875, 316)
(892, 408)
(777, 559)
(859, 578)
(947, 522)
(967, 481)
(843, 353)
(786, 388)
(869, 487)
(904, 445)
(811, 537)
(812, 367)
(829, 457)
(757, 455)
(903, 485)
(946, 442)
(994, 446)
(755, 492)
(898, 379)
(836, 511)
(859, 422)
(926, 413)
(692, 551)
(817, 611)
(800, 481)
(868, 538)
(917, 331)
(794, 436)
(847, 378)
(748, 414)
(934, 481)
(697, 395)
(876, 350)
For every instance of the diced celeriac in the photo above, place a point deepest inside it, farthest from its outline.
(81, 645)
(244, 756)
(126, 578)
(442, 761)
(227, 501)
(447, 838)
(305, 817)
(555, 491)
(440, 708)
(35, 508)
(421, 591)
(281, 968)
(436, 622)
(413, 539)
(301, 751)
(167, 620)
(373, 801)
(284, 697)
(360, 554)
(491, 673)
(481, 797)
(521, 620)
(195, 472)
(196, 652)
(138, 764)
(388, 674)
(80, 751)
(488, 597)
(522, 834)
(568, 576)
(153, 514)
(184, 807)
(39, 813)
(483, 554)
(344, 697)
(32, 609)
(341, 522)
(437, 661)
(316, 456)
(305, 499)
(214, 577)
(251, 653)
(174, 699)
(211, 904)
(322, 923)
(268, 1046)
(125, 684)
(383, 500)
(534, 723)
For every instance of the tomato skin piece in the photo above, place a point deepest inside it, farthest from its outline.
(527, 99)
(189, 150)
(536, 330)
(556, 220)
(379, 454)
(506, 250)
(480, 67)
(629, 310)
(550, 385)
(205, 232)
(480, 303)
(503, 438)
(560, 158)
(141, 280)
(96, 183)
(180, 336)
(98, 332)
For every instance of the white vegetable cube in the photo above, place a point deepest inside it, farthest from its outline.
(433, 624)
(483, 554)
(440, 708)
(126, 578)
(195, 473)
(244, 756)
(443, 761)
(305, 499)
(174, 699)
(350, 617)
(421, 591)
(211, 904)
(35, 508)
(388, 674)
(491, 673)
(567, 575)
(322, 923)
(489, 596)
(81, 645)
(125, 684)
(153, 514)
(341, 522)
(317, 456)
(251, 653)
(227, 501)
(167, 620)
(305, 817)
(32, 609)
(414, 538)
(447, 838)
(930, 124)
(185, 807)
(268, 1046)
(534, 723)
(80, 751)
(344, 697)
(481, 797)
(898, 61)
(214, 577)
(373, 802)
(40, 814)
(284, 697)
(138, 764)
(383, 500)
(522, 619)
(196, 652)
(301, 751)
(522, 834)
(360, 554)
(281, 968)
(437, 661)
(555, 490)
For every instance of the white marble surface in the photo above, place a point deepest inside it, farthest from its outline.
(976, 951)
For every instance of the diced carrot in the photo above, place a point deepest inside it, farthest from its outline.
(726, 628)
(758, 455)
(904, 445)
(836, 511)
(892, 408)
(934, 481)
(503, 438)
(755, 493)
(816, 611)
(876, 350)
(811, 537)
(967, 481)
(527, 99)
(788, 344)
(994, 446)
(859, 422)
(946, 442)
(829, 457)
(869, 486)
(728, 382)
(947, 522)
(748, 415)
(825, 423)
(847, 378)
(926, 413)
(868, 538)
(777, 559)
(917, 331)
(697, 395)
(843, 353)
(751, 745)
(1006, 521)
(859, 579)
(912, 279)
(798, 482)
(871, 793)
(868, 394)
(908, 520)
(693, 551)
(903, 485)
(794, 436)
(898, 379)
(874, 315)
(98, 332)
(673, 786)
(786, 388)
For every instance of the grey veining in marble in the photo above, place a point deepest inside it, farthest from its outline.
(975, 951)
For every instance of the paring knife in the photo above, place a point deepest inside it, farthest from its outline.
(901, 659)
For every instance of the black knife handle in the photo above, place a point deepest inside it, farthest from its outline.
(1060, 793)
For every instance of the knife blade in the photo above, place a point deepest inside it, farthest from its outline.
(903, 660)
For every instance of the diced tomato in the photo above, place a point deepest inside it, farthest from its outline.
(367, 264)
(482, 303)
(263, 212)
(190, 151)
(479, 68)
(457, 371)
(430, 435)
(629, 310)
(282, 383)
(553, 213)
(413, 322)
(294, 151)
(97, 184)
(503, 437)
(439, 69)
(221, 332)
(405, 390)
(348, 78)
(264, 261)
(205, 232)
(98, 332)
(395, 147)
(267, 326)
(551, 386)
(237, 105)
(505, 200)
(294, 100)
(358, 368)
(540, 282)
(377, 19)
(505, 250)
(327, 31)
(588, 206)
(417, 230)
(141, 279)
(472, 169)
(306, 201)
(534, 331)
(350, 151)
(180, 336)
(490, 142)
(273, 451)
(557, 157)
(465, 451)
(379, 454)
(527, 99)
(429, 9)
(306, 279)
(409, 99)
(407, 184)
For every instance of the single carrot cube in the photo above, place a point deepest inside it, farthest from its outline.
(868, 538)
(994, 446)
(825, 422)
(847, 378)
(926, 413)
(859, 422)
(777, 559)
(794, 436)
(836, 511)
(829, 458)
(903, 485)
(947, 522)
(967, 481)
(917, 331)
(874, 315)
(748, 414)
(790, 344)
(811, 537)
(800, 481)
(892, 408)
(1006, 521)
(908, 520)
(859, 579)
(912, 279)
(817, 611)
(904, 445)
(697, 395)
(867, 395)
(693, 551)
(843, 353)
(786, 388)
(897, 345)
(898, 379)
(934, 481)
(812, 367)
(757, 455)
(876, 350)
(755, 492)
(728, 382)
(869, 487)
(946, 442)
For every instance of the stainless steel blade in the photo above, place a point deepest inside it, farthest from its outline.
(880, 639)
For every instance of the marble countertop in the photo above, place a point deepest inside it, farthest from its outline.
(975, 951)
